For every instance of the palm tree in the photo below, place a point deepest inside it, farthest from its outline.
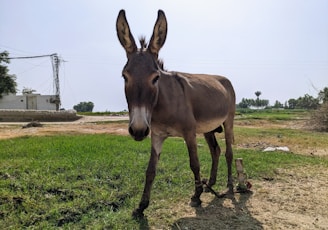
(258, 93)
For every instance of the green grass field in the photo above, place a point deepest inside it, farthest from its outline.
(95, 181)
(272, 114)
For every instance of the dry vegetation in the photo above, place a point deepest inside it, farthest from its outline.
(319, 118)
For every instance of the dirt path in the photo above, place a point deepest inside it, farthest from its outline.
(87, 125)
(294, 199)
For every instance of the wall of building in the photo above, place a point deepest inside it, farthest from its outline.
(10, 115)
(13, 101)
(27, 101)
(44, 102)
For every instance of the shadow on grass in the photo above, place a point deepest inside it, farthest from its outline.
(230, 212)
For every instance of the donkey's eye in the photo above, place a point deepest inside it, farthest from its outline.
(155, 80)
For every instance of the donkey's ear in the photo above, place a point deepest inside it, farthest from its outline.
(124, 34)
(159, 34)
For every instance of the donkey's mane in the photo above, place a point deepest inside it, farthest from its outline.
(143, 42)
(143, 47)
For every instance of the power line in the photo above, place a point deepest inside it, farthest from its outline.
(39, 56)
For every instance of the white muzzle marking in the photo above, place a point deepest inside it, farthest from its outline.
(139, 123)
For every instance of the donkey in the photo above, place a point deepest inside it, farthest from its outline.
(168, 104)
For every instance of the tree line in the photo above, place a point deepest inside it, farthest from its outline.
(304, 102)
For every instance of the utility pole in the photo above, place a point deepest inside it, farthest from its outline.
(55, 67)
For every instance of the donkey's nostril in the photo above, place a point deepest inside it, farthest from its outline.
(131, 131)
(139, 134)
(147, 131)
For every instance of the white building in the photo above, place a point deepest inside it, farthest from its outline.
(29, 101)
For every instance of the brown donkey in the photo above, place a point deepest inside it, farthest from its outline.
(174, 104)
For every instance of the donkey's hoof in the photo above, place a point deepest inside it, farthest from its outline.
(137, 214)
(207, 190)
(195, 202)
(230, 190)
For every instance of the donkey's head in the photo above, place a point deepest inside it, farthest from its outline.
(141, 73)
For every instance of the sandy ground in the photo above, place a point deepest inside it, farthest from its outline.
(293, 199)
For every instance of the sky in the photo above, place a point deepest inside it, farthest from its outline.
(277, 47)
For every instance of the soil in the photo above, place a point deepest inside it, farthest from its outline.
(296, 198)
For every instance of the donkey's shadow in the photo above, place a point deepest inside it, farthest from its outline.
(230, 212)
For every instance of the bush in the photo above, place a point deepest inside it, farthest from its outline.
(319, 118)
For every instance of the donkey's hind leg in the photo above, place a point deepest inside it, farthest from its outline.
(215, 153)
(229, 138)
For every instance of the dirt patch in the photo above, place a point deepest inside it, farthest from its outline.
(293, 200)
(85, 125)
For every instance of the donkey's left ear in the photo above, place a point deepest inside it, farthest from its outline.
(159, 34)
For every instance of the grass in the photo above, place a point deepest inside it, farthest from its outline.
(272, 114)
(108, 113)
(112, 122)
(95, 181)
(299, 139)
(273, 127)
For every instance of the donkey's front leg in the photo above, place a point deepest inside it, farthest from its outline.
(195, 167)
(156, 148)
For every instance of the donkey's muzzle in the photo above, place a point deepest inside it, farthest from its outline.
(139, 134)
(139, 126)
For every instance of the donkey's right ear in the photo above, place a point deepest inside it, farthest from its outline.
(124, 34)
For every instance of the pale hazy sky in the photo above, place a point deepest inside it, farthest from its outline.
(279, 47)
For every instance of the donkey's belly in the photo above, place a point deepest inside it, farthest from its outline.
(209, 125)
(166, 130)
(174, 129)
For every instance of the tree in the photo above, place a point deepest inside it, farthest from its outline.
(7, 81)
(278, 104)
(262, 103)
(84, 107)
(307, 102)
(292, 103)
(246, 103)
